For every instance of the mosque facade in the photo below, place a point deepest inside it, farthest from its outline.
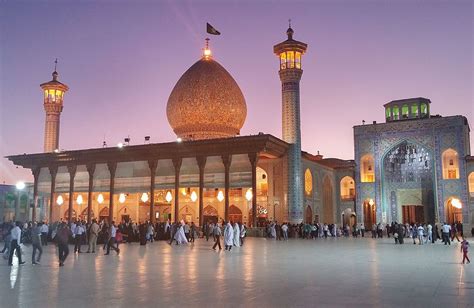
(211, 173)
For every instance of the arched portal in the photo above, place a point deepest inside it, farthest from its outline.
(66, 215)
(187, 214)
(104, 214)
(235, 214)
(209, 214)
(308, 215)
(83, 215)
(408, 183)
(453, 210)
(328, 202)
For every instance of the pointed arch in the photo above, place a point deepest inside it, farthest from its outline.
(347, 188)
(367, 173)
(450, 161)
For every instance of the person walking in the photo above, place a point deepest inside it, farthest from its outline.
(111, 243)
(62, 239)
(15, 244)
(446, 229)
(228, 236)
(36, 243)
(236, 235)
(93, 234)
(216, 233)
(78, 237)
(44, 233)
(421, 231)
(243, 232)
(429, 229)
(465, 250)
(284, 229)
(192, 232)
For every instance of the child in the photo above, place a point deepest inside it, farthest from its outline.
(464, 250)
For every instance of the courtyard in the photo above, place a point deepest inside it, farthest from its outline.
(266, 273)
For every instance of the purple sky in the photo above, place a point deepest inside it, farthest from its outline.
(121, 60)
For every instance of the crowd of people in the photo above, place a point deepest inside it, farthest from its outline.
(110, 235)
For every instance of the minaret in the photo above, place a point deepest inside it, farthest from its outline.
(53, 105)
(289, 53)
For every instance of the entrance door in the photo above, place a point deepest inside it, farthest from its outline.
(126, 218)
(413, 214)
(369, 214)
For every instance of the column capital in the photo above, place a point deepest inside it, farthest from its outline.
(112, 165)
(253, 158)
(201, 161)
(227, 160)
(53, 170)
(72, 170)
(152, 164)
(36, 171)
(90, 169)
(177, 161)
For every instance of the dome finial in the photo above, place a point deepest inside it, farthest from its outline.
(207, 54)
(55, 73)
(290, 31)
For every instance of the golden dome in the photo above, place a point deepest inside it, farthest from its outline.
(206, 103)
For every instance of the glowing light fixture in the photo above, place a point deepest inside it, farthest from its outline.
(183, 191)
(456, 203)
(220, 196)
(371, 202)
(60, 200)
(79, 199)
(100, 199)
(194, 196)
(249, 194)
(179, 140)
(144, 197)
(120, 145)
(20, 185)
(168, 196)
(122, 198)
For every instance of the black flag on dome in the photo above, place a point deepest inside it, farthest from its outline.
(211, 30)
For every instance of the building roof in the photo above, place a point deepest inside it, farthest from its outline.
(267, 146)
(334, 163)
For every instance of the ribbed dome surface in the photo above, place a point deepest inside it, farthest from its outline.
(206, 103)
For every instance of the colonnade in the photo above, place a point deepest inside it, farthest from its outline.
(152, 164)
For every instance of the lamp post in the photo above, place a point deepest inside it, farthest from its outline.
(19, 187)
(248, 196)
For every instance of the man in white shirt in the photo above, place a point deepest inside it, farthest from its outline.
(284, 228)
(44, 234)
(420, 234)
(446, 229)
(78, 235)
(111, 242)
(429, 229)
(15, 244)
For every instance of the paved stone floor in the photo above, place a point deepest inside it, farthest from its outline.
(265, 273)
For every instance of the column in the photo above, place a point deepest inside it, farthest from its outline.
(53, 170)
(36, 173)
(72, 175)
(112, 168)
(227, 160)
(177, 166)
(152, 164)
(90, 170)
(253, 157)
(201, 161)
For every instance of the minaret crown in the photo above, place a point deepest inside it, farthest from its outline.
(290, 51)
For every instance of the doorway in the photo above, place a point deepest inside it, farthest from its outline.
(369, 213)
(453, 211)
(413, 214)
